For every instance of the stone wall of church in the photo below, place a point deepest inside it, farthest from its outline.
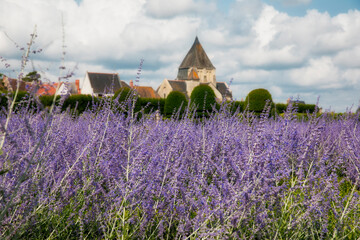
(183, 73)
(164, 89)
(207, 75)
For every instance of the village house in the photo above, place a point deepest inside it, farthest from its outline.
(40, 88)
(101, 84)
(196, 69)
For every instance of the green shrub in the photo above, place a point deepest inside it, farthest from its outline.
(234, 105)
(304, 108)
(174, 101)
(203, 97)
(22, 100)
(256, 99)
(281, 107)
(150, 105)
(301, 107)
(81, 102)
(47, 100)
(124, 93)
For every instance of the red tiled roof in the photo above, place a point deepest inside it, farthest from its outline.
(47, 89)
(146, 92)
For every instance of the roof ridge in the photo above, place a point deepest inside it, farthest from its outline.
(104, 73)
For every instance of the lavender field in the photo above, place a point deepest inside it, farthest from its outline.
(109, 174)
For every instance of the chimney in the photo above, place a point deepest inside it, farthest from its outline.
(131, 83)
(77, 84)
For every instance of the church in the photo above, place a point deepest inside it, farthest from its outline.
(195, 69)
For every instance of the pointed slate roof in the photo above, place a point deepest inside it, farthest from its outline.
(196, 57)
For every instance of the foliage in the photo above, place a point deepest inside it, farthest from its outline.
(122, 94)
(32, 77)
(300, 107)
(150, 105)
(47, 100)
(79, 103)
(281, 107)
(203, 97)
(257, 98)
(21, 99)
(173, 102)
(303, 108)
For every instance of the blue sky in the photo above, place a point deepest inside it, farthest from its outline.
(333, 7)
(294, 48)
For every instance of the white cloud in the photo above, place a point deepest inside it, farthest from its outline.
(320, 73)
(348, 58)
(254, 43)
(173, 8)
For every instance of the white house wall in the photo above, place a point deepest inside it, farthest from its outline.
(86, 86)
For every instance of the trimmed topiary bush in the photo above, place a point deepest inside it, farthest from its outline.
(256, 99)
(203, 97)
(174, 101)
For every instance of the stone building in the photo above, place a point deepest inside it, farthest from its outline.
(195, 69)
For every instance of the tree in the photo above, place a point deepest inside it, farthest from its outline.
(31, 77)
(256, 99)
(203, 97)
(174, 101)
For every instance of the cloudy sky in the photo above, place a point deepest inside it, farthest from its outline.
(306, 49)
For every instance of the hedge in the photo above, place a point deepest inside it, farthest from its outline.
(80, 102)
(146, 105)
(21, 96)
(301, 107)
(149, 105)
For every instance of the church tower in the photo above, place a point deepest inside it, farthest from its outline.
(197, 66)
